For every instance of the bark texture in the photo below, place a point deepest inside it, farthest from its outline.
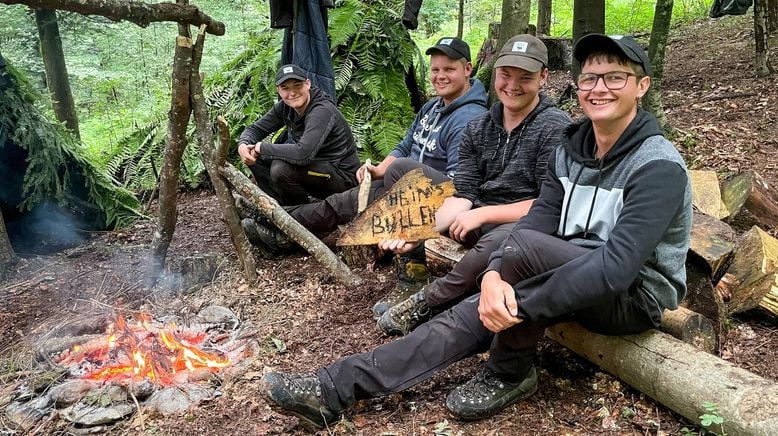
(461, 19)
(544, 17)
(270, 207)
(762, 63)
(136, 12)
(657, 45)
(588, 17)
(751, 191)
(515, 19)
(178, 119)
(56, 69)
(7, 254)
(680, 377)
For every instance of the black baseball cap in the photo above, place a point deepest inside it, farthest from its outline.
(452, 47)
(625, 45)
(523, 51)
(290, 71)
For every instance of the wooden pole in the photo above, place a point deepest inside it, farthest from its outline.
(680, 377)
(270, 207)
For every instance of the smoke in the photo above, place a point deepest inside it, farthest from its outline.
(46, 229)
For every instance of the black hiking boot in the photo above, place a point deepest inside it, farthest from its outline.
(247, 209)
(412, 275)
(299, 395)
(269, 239)
(486, 394)
(406, 316)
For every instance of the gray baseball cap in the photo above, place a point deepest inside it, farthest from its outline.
(523, 51)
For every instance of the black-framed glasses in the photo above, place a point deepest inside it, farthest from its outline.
(613, 80)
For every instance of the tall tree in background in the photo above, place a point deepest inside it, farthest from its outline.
(772, 16)
(657, 46)
(761, 33)
(588, 17)
(544, 17)
(7, 255)
(515, 19)
(461, 19)
(56, 69)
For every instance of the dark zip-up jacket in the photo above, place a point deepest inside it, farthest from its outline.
(319, 134)
(433, 138)
(633, 207)
(500, 168)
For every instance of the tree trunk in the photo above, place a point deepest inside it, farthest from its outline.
(762, 61)
(136, 12)
(515, 19)
(176, 140)
(657, 46)
(680, 377)
(7, 254)
(588, 17)
(270, 207)
(56, 69)
(772, 16)
(544, 17)
(461, 19)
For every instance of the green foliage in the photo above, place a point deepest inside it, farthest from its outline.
(56, 167)
(712, 417)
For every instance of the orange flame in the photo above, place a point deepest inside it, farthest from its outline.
(145, 352)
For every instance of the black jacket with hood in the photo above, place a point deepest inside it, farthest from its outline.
(633, 207)
(319, 134)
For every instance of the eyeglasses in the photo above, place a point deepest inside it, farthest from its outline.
(613, 80)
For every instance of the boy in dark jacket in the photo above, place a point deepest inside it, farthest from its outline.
(502, 163)
(604, 245)
(319, 156)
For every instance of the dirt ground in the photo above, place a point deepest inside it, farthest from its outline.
(297, 306)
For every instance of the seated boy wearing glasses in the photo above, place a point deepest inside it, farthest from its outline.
(604, 244)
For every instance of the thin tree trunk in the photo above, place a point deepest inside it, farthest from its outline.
(7, 254)
(461, 19)
(656, 53)
(56, 69)
(136, 12)
(772, 16)
(762, 62)
(544, 17)
(178, 120)
(588, 17)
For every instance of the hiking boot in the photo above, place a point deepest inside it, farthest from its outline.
(299, 395)
(406, 316)
(269, 239)
(486, 394)
(246, 209)
(412, 275)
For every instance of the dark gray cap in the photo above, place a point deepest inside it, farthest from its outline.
(452, 47)
(523, 51)
(290, 71)
(625, 45)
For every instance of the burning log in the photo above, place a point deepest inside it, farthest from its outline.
(679, 376)
(752, 279)
(270, 207)
(751, 191)
(706, 195)
(136, 12)
(695, 328)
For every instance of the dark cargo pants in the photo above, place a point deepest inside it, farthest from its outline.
(458, 333)
(292, 184)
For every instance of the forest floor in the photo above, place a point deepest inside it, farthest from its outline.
(296, 305)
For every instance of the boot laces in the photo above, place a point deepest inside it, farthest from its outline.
(307, 384)
(485, 384)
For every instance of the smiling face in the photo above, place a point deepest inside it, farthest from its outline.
(518, 88)
(609, 107)
(295, 93)
(449, 77)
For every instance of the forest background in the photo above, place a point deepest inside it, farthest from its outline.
(120, 73)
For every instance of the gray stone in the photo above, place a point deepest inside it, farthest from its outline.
(70, 392)
(178, 399)
(90, 415)
(24, 415)
(218, 315)
(143, 389)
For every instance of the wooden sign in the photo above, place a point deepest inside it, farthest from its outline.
(407, 211)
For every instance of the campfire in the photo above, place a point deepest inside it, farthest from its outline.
(144, 350)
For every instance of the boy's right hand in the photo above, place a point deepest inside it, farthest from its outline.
(367, 166)
(247, 154)
(399, 246)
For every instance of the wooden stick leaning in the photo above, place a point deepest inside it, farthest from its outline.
(270, 207)
(212, 158)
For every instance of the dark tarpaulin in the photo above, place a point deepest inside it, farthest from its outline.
(305, 39)
(719, 8)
